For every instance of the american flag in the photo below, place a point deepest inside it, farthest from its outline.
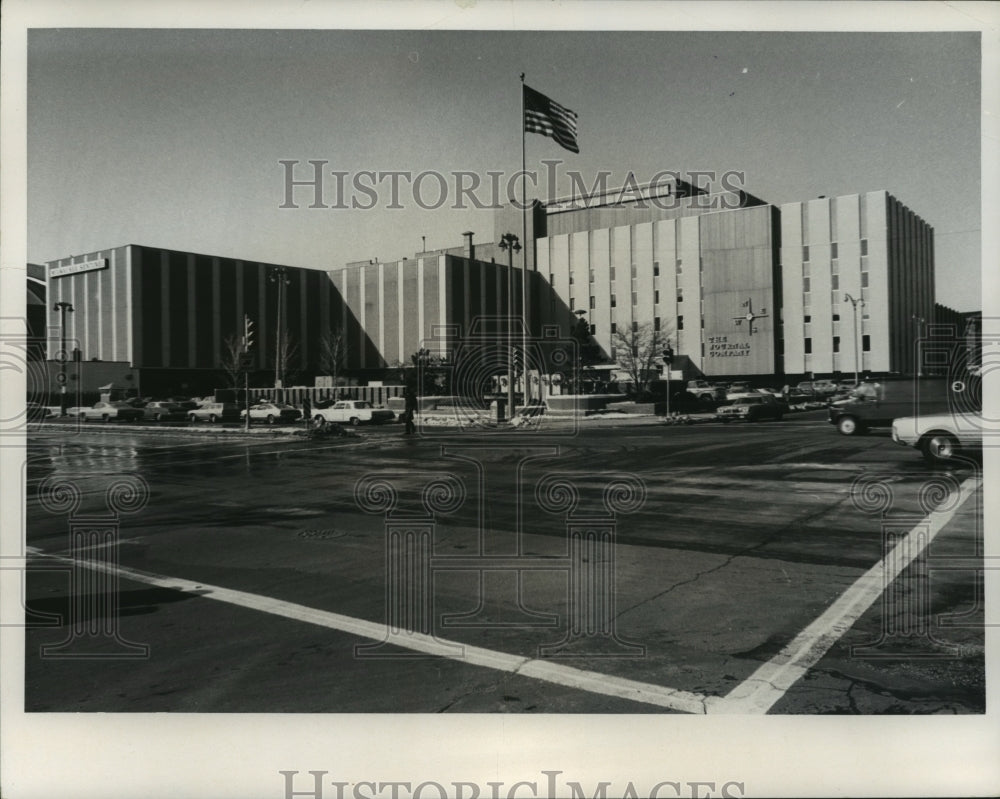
(545, 116)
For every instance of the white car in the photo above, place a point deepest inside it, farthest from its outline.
(940, 437)
(353, 412)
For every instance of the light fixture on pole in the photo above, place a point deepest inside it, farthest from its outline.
(857, 336)
(63, 308)
(278, 275)
(919, 320)
(510, 243)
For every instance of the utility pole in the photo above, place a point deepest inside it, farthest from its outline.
(63, 308)
(511, 244)
(919, 320)
(668, 359)
(278, 275)
(857, 336)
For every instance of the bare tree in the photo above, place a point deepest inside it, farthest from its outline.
(230, 360)
(332, 354)
(638, 349)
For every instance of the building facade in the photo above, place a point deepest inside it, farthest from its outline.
(169, 313)
(858, 284)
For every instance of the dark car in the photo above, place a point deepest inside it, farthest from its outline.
(753, 408)
(160, 411)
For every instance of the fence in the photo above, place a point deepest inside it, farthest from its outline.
(293, 395)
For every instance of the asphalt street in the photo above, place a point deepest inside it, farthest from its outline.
(621, 567)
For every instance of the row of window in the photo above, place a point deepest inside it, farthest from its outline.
(866, 344)
(834, 282)
(614, 272)
(635, 299)
(834, 250)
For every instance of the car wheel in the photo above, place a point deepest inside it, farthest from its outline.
(319, 421)
(270, 419)
(939, 447)
(849, 426)
(212, 418)
(355, 421)
(192, 418)
(158, 417)
(105, 418)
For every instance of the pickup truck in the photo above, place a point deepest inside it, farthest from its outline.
(353, 412)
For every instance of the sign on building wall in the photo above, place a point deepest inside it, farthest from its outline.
(85, 266)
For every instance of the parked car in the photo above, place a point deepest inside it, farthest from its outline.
(817, 388)
(106, 411)
(704, 390)
(272, 413)
(186, 403)
(753, 409)
(876, 403)
(214, 412)
(940, 437)
(739, 390)
(354, 412)
(160, 411)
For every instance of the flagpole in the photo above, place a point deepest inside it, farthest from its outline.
(524, 261)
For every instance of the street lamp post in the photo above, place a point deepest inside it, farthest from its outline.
(510, 243)
(857, 338)
(919, 320)
(278, 275)
(63, 308)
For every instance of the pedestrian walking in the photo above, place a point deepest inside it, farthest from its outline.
(306, 411)
(410, 409)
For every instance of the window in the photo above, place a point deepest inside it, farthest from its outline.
(836, 343)
(807, 319)
(680, 322)
(552, 278)
(833, 250)
(864, 246)
(635, 298)
(656, 297)
(614, 352)
(680, 265)
(836, 317)
(571, 278)
(612, 273)
(635, 327)
(572, 302)
(835, 282)
(614, 328)
(809, 346)
(703, 323)
(864, 280)
(591, 274)
(656, 268)
(805, 285)
(805, 253)
(656, 323)
(635, 270)
(680, 295)
(866, 343)
(593, 303)
(593, 330)
(614, 301)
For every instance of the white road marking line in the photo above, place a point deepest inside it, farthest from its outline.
(548, 671)
(762, 689)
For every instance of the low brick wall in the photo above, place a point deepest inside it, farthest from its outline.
(581, 404)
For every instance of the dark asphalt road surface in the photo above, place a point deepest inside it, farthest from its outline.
(258, 569)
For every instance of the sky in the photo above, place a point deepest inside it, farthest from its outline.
(174, 138)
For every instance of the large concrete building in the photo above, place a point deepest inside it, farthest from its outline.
(740, 287)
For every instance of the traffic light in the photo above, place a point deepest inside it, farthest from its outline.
(668, 356)
(247, 333)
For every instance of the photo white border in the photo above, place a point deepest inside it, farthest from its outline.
(216, 755)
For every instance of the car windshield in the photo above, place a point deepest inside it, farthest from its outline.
(867, 391)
